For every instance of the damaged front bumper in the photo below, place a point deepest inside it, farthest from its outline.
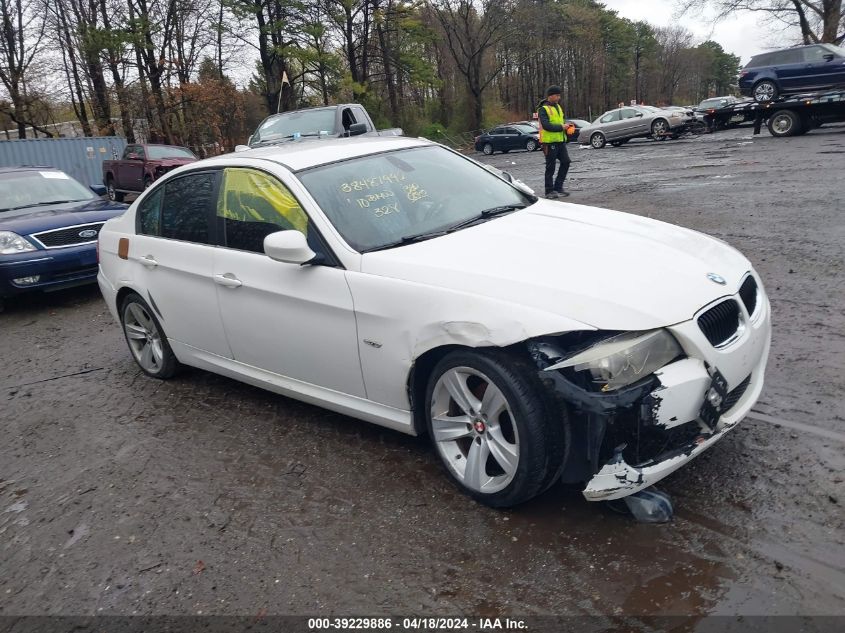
(629, 439)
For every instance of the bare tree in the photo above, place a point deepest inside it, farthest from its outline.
(22, 28)
(818, 20)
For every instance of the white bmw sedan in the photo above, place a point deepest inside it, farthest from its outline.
(397, 281)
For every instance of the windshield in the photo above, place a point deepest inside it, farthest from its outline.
(282, 126)
(166, 151)
(34, 188)
(376, 200)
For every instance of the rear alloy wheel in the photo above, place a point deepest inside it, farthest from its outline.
(660, 129)
(785, 123)
(598, 140)
(764, 91)
(113, 193)
(531, 145)
(489, 427)
(146, 339)
(487, 149)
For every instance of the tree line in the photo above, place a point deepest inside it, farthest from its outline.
(161, 69)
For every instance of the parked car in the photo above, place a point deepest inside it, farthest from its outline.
(49, 224)
(140, 166)
(507, 137)
(708, 106)
(579, 124)
(791, 70)
(619, 126)
(342, 120)
(397, 281)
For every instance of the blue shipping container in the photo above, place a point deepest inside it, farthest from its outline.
(82, 158)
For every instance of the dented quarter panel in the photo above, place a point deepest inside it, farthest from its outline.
(408, 319)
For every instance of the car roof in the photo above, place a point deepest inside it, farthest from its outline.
(297, 155)
(22, 168)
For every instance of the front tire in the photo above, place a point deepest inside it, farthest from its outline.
(598, 140)
(785, 123)
(146, 339)
(531, 145)
(487, 149)
(490, 427)
(660, 129)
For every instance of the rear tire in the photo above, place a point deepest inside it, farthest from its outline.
(765, 91)
(146, 339)
(491, 429)
(598, 140)
(785, 123)
(113, 193)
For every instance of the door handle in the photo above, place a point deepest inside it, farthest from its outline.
(228, 280)
(149, 261)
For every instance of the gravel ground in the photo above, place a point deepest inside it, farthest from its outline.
(124, 495)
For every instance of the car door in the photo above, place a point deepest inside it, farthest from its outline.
(790, 69)
(173, 257)
(630, 123)
(611, 124)
(823, 67)
(292, 320)
(497, 139)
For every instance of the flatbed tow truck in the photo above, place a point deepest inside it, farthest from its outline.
(790, 115)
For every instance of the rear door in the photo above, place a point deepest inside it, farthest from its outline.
(292, 320)
(173, 260)
(611, 124)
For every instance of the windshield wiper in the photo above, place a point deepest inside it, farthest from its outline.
(409, 239)
(44, 204)
(486, 214)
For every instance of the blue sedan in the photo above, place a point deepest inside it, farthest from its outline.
(49, 225)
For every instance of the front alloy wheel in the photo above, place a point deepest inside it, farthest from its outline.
(660, 129)
(598, 140)
(490, 428)
(146, 341)
(531, 145)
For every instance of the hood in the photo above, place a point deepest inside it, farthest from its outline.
(56, 216)
(607, 269)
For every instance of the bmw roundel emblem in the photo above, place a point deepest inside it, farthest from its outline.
(88, 233)
(716, 279)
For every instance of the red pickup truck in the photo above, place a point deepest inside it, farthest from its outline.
(140, 166)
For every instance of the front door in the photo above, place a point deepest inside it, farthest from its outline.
(173, 256)
(291, 320)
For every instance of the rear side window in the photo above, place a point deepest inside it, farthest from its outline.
(792, 56)
(149, 214)
(252, 205)
(186, 206)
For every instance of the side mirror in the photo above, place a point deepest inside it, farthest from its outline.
(507, 176)
(242, 148)
(829, 57)
(290, 247)
(639, 115)
(132, 156)
(249, 140)
(99, 190)
(357, 129)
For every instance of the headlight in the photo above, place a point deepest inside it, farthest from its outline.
(623, 359)
(11, 243)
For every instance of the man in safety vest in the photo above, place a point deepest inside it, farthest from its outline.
(553, 138)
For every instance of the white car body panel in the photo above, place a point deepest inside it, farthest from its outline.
(347, 338)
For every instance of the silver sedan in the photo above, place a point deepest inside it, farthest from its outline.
(619, 126)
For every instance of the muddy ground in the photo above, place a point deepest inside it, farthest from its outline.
(120, 494)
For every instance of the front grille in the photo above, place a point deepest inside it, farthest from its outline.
(735, 395)
(720, 322)
(90, 271)
(69, 236)
(748, 294)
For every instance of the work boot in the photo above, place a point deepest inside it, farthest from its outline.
(551, 195)
(561, 193)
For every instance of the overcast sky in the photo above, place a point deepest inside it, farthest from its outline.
(742, 35)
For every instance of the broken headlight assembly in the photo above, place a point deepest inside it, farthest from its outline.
(621, 360)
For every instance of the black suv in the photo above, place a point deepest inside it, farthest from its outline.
(798, 69)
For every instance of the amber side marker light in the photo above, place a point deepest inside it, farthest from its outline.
(123, 248)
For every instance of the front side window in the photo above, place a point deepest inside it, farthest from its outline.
(629, 113)
(186, 205)
(252, 205)
(374, 201)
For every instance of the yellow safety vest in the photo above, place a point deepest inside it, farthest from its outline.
(555, 116)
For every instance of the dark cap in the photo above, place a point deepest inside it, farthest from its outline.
(553, 90)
